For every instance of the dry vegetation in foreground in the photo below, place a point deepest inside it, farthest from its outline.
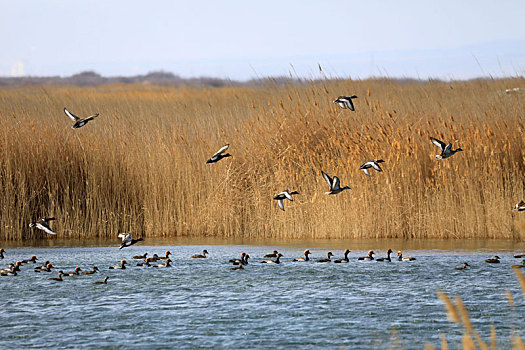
(140, 166)
(471, 338)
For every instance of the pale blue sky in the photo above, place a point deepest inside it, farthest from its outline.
(244, 39)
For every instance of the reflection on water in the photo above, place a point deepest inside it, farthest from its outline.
(201, 303)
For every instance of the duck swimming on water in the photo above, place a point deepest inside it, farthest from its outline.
(276, 261)
(121, 266)
(494, 260)
(519, 266)
(146, 262)
(323, 260)
(200, 256)
(73, 273)
(90, 272)
(143, 256)
(306, 258)
(272, 255)
(389, 251)
(400, 257)
(369, 257)
(462, 267)
(345, 259)
(105, 281)
(59, 278)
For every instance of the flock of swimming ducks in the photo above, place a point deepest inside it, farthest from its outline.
(334, 183)
(14, 268)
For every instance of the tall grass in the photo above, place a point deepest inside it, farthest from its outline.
(140, 166)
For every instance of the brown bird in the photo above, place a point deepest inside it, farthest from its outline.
(325, 260)
(121, 266)
(90, 272)
(494, 260)
(105, 281)
(59, 278)
(199, 256)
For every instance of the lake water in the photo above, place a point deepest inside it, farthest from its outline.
(200, 303)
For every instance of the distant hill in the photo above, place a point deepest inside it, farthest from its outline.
(90, 78)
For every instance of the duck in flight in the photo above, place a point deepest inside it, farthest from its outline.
(446, 150)
(371, 164)
(79, 122)
(127, 240)
(284, 195)
(219, 155)
(345, 102)
(334, 183)
(519, 206)
(43, 224)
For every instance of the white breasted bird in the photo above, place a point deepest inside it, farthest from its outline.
(371, 164)
(219, 155)
(345, 102)
(284, 195)
(43, 224)
(79, 122)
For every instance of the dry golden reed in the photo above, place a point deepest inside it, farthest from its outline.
(140, 166)
(456, 308)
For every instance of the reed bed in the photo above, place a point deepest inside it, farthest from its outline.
(140, 166)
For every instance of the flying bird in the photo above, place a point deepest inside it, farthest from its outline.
(334, 183)
(127, 240)
(284, 195)
(219, 155)
(79, 122)
(345, 102)
(371, 164)
(519, 206)
(446, 150)
(43, 224)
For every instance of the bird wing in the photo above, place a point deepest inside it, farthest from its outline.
(223, 148)
(376, 166)
(71, 115)
(287, 195)
(521, 204)
(448, 148)
(350, 104)
(281, 204)
(126, 237)
(327, 178)
(45, 228)
(438, 143)
(365, 170)
(336, 183)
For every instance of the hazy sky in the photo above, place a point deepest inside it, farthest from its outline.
(243, 39)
